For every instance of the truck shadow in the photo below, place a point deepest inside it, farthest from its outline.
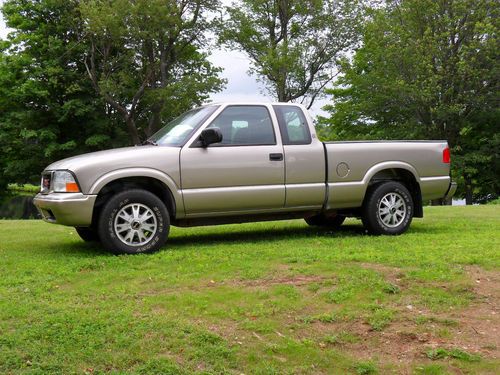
(81, 249)
(181, 240)
(261, 235)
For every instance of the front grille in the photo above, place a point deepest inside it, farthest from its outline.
(46, 182)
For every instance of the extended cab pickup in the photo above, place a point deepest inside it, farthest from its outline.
(241, 162)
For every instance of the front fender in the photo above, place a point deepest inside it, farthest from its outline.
(141, 172)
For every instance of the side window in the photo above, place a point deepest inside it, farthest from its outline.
(293, 125)
(245, 125)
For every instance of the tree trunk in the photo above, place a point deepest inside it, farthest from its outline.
(154, 123)
(132, 130)
(468, 191)
(281, 92)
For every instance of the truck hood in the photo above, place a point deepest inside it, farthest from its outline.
(90, 167)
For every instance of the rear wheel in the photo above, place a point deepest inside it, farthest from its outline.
(87, 234)
(321, 220)
(388, 209)
(134, 222)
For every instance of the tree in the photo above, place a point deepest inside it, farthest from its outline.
(145, 58)
(48, 105)
(48, 109)
(293, 45)
(427, 69)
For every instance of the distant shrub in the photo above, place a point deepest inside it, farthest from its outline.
(25, 188)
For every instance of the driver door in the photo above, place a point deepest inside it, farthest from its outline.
(243, 173)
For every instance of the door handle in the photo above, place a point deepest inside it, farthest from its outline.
(276, 157)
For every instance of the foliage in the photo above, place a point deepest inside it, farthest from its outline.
(234, 298)
(427, 69)
(47, 107)
(144, 58)
(293, 45)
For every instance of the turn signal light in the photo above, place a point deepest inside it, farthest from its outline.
(72, 187)
(446, 155)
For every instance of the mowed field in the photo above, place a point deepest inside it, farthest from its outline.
(263, 298)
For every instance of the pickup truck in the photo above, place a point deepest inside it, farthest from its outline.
(241, 162)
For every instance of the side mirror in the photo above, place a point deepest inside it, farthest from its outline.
(210, 136)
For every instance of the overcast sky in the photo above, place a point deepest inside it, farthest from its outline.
(240, 85)
(3, 31)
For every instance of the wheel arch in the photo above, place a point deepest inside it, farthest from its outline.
(153, 181)
(401, 172)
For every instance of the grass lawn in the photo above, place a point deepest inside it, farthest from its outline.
(263, 298)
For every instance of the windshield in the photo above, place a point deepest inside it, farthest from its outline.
(178, 131)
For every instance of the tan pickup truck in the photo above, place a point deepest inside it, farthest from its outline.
(241, 162)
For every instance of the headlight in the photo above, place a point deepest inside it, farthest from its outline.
(64, 182)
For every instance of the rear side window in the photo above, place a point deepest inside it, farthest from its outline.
(293, 125)
(245, 126)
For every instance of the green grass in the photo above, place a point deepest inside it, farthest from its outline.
(452, 353)
(263, 298)
(365, 368)
(495, 201)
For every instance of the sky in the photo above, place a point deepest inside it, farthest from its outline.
(241, 86)
(3, 29)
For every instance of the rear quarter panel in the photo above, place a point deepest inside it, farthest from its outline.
(351, 165)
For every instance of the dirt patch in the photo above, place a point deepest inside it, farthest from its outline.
(486, 284)
(474, 329)
(403, 343)
(293, 280)
(479, 324)
(299, 280)
(395, 274)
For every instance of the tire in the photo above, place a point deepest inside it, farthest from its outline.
(87, 234)
(388, 209)
(333, 222)
(123, 227)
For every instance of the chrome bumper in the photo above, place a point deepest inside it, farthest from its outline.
(451, 190)
(73, 209)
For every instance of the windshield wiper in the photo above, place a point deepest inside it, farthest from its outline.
(149, 142)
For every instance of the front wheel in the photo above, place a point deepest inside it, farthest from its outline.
(388, 209)
(133, 222)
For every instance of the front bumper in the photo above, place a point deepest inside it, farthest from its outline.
(451, 190)
(73, 209)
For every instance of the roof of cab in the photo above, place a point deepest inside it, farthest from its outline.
(253, 103)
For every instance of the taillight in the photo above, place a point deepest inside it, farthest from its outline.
(446, 155)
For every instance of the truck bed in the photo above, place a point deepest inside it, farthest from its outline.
(351, 165)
